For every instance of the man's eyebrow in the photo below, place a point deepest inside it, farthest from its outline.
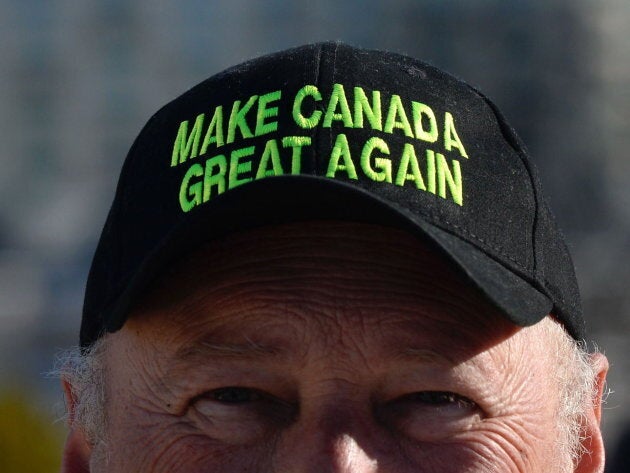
(217, 349)
(422, 355)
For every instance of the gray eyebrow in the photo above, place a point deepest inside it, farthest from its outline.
(213, 349)
(423, 355)
(250, 349)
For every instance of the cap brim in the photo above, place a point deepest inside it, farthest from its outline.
(285, 199)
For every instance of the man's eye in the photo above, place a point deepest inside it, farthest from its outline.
(440, 398)
(235, 395)
(428, 416)
(239, 415)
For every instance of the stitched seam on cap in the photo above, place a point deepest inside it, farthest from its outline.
(316, 129)
(332, 80)
(488, 245)
(471, 235)
(513, 141)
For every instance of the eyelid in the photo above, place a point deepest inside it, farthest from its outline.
(255, 393)
(421, 421)
(262, 396)
(461, 380)
(459, 404)
(192, 384)
(273, 404)
(455, 397)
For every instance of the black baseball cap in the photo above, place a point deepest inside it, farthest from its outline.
(329, 131)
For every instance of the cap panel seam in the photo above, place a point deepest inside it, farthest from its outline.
(318, 58)
(318, 77)
(332, 76)
(515, 143)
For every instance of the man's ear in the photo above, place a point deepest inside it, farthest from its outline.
(77, 450)
(593, 460)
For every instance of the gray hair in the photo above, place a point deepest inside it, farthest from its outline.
(576, 377)
(84, 370)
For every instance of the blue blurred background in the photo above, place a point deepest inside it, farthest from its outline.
(79, 79)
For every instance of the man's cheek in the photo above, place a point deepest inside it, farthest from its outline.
(166, 451)
(498, 448)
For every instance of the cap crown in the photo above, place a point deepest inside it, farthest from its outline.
(412, 137)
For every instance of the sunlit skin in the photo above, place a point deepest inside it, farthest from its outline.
(326, 347)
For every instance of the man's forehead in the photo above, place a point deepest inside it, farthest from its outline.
(368, 246)
(255, 291)
(278, 255)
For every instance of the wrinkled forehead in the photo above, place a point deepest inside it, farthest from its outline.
(280, 282)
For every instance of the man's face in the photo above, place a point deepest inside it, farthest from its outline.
(325, 347)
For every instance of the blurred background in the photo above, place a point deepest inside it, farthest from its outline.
(79, 79)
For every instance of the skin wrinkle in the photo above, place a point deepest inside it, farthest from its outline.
(146, 385)
(483, 455)
(172, 456)
(523, 415)
(335, 341)
(494, 440)
(151, 420)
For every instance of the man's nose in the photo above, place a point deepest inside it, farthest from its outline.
(342, 454)
(347, 455)
(340, 441)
